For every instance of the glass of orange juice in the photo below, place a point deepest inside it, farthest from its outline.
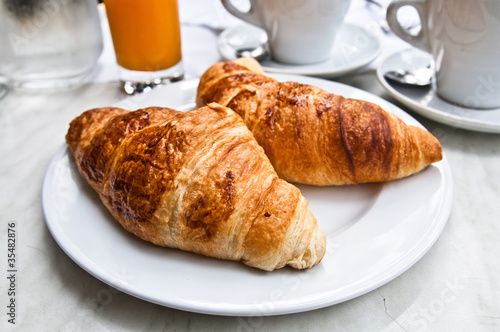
(147, 40)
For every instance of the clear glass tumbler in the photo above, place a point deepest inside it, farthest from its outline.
(48, 43)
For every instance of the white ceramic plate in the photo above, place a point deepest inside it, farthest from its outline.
(425, 101)
(374, 233)
(354, 48)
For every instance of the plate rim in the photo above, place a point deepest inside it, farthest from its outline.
(439, 222)
(431, 112)
(249, 310)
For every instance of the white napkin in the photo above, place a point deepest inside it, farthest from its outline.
(207, 13)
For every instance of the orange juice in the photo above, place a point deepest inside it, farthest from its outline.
(146, 33)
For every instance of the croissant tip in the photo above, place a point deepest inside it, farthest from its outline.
(432, 148)
(313, 254)
(250, 64)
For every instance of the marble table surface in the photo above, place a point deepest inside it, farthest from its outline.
(455, 286)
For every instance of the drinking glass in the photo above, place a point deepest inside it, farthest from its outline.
(48, 43)
(147, 40)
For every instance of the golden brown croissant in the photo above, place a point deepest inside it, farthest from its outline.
(315, 137)
(197, 181)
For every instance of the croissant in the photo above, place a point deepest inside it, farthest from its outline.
(197, 181)
(315, 137)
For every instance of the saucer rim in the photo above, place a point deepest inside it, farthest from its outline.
(441, 116)
(316, 70)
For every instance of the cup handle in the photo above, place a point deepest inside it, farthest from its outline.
(420, 40)
(251, 16)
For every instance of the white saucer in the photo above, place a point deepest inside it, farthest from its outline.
(425, 101)
(354, 48)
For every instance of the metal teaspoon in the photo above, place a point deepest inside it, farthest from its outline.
(416, 77)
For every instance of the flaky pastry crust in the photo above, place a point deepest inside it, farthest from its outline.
(197, 181)
(315, 137)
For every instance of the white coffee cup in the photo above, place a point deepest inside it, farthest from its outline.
(299, 31)
(463, 37)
